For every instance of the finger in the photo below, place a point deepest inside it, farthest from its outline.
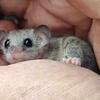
(88, 7)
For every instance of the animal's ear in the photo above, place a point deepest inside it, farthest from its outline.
(43, 30)
(43, 35)
(12, 18)
(2, 35)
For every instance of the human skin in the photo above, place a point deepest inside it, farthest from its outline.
(38, 80)
(60, 16)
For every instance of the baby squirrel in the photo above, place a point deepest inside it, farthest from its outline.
(28, 44)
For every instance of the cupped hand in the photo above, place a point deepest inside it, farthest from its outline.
(48, 79)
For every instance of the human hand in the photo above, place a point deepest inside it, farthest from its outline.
(46, 80)
(60, 15)
(69, 82)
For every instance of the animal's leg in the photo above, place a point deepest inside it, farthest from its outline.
(73, 54)
(72, 60)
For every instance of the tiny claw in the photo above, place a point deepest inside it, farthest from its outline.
(72, 60)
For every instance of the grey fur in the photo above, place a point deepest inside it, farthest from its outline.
(47, 48)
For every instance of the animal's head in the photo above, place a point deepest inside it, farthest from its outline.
(25, 44)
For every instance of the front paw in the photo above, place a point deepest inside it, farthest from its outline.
(72, 60)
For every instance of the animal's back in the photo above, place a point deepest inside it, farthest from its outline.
(72, 47)
(80, 48)
(54, 51)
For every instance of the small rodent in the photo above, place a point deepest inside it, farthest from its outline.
(29, 44)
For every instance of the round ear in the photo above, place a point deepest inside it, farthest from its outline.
(43, 30)
(13, 18)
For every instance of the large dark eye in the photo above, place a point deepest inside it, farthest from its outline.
(28, 42)
(7, 43)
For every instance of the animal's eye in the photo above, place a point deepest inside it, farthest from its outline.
(7, 43)
(28, 42)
